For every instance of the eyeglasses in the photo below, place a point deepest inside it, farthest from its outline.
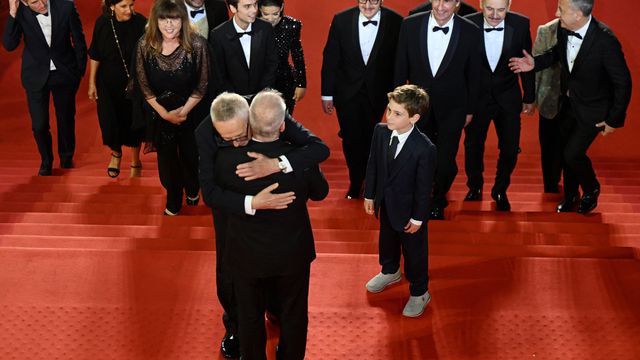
(237, 139)
(372, 2)
(169, 20)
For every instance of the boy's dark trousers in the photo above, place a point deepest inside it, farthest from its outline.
(415, 248)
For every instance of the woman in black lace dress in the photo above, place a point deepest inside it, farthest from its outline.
(291, 80)
(115, 36)
(172, 66)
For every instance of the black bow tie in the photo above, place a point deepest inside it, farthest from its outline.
(573, 33)
(196, 12)
(493, 29)
(372, 22)
(241, 34)
(37, 13)
(445, 29)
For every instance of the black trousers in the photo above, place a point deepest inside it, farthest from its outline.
(224, 279)
(507, 124)
(550, 153)
(357, 119)
(292, 293)
(415, 247)
(63, 92)
(576, 137)
(177, 162)
(446, 137)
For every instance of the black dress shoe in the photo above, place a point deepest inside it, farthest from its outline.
(502, 202)
(45, 170)
(588, 202)
(230, 347)
(473, 195)
(66, 163)
(567, 205)
(350, 195)
(437, 213)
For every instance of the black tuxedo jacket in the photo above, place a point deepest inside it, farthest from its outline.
(310, 151)
(404, 186)
(453, 91)
(217, 13)
(502, 85)
(271, 242)
(68, 48)
(599, 85)
(344, 72)
(465, 9)
(229, 65)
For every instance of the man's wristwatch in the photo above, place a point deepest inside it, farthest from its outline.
(281, 164)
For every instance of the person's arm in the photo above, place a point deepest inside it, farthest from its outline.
(12, 29)
(79, 42)
(331, 56)
(618, 72)
(472, 73)
(299, 67)
(424, 183)
(93, 70)
(202, 68)
(371, 175)
(318, 185)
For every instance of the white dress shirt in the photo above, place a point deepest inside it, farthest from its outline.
(245, 41)
(367, 35)
(437, 43)
(493, 41)
(574, 44)
(45, 25)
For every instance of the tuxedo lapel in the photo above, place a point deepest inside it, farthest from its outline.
(424, 38)
(355, 37)
(256, 40)
(562, 47)
(506, 42)
(234, 44)
(30, 17)
(453, 44)
(587, 43)
(380, 36)
(403, 156)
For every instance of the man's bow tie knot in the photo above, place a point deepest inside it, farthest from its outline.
(372, 22)
(493, 29)
(573, 33)
(241, 34)
(194, 13)
(445, 29)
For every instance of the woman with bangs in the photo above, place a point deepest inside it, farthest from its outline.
(172, 66)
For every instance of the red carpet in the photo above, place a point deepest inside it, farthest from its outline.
(91, 270)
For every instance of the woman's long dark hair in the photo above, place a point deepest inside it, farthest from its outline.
(163, 9)
(278, 3)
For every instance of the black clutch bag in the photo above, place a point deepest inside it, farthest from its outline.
(170, 100)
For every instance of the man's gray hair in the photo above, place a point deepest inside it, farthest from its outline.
(267, 113)
(228, 106)
(585, 6)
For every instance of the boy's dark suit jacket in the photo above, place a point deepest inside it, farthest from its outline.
(453, 91)
(231, 72)
(344, 72)
(217, 13)
(599, 86)
(68, 48)
(271, 242)
(502, 85)
(404, 186)
(465, 9)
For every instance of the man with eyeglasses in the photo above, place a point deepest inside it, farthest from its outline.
(505, 35)
(270, 253)
(244, 54)
(309, 152)
(439, 51)
(357, 74)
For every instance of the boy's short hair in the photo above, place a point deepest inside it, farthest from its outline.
(412, 97)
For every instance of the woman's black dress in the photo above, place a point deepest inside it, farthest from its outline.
(114, 109)
(289, 77)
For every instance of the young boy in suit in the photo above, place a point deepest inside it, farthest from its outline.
(398, 187)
